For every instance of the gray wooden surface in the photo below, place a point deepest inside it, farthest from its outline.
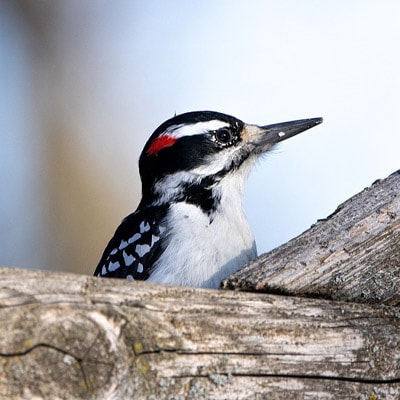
(353, 255)
(69, 337)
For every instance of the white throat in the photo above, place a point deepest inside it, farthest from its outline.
(201, 251)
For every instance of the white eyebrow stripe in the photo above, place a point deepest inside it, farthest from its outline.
(198, 128)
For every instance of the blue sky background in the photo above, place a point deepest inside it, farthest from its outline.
(116, 70)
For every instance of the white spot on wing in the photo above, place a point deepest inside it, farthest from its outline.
(143, 227)
(104, 270)
(130, 278)
(115, 251)
(162, 228)
(281, 134)
(134, 238)
(140, 268)
(123, 244)
(142, 249)
(128, 259)
(113, 266)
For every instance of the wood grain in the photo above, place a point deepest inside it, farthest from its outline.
(353, 255)
(68, 336)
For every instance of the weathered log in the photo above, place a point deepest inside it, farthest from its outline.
(353, 255)
(69, 336)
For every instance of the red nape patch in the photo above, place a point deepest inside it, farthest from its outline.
(160, 143)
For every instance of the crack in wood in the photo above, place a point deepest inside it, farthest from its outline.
(296, 376)
(79, 360)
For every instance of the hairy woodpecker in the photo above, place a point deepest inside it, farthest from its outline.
(190, 228)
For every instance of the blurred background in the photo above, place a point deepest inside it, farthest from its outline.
(83, 83)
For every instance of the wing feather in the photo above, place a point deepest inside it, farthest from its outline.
(135, 247)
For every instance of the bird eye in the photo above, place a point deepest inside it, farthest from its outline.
(223, 136)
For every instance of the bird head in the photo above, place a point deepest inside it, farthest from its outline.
(200, 149)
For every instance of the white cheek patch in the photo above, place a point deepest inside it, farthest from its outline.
(170, 185)
(216, 164)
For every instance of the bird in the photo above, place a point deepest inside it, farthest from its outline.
(190, 228)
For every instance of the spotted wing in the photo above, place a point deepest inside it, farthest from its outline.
(135, 246)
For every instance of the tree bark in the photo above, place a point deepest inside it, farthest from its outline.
(69, 336)
(352, 255)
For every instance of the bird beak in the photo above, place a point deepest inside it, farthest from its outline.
(264, 137)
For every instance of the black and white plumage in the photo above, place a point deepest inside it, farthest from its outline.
(189, 228)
